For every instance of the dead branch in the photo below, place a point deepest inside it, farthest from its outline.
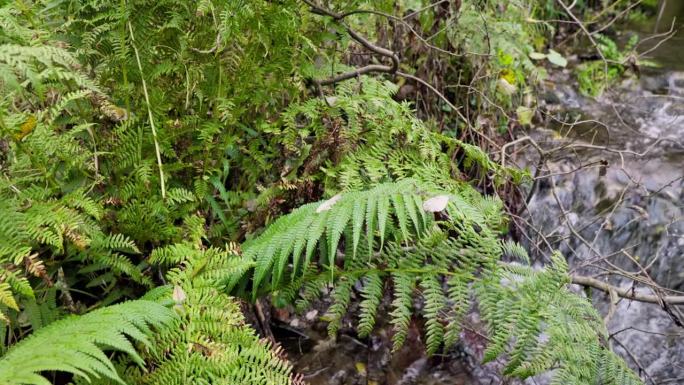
(627, 293)
(356, 73)
(318, 10)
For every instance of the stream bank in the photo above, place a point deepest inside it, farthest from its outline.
(615, 201)
(616, 195)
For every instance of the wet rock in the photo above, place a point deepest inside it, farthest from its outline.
(339, 378)
(637, 327)
(655, 84)
(413, 372)
(550, 97)
(630, 210)
(679, 83)
(675, 109)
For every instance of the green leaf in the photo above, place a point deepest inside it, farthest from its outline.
(556, 58)
(525, 115)
(74, 344)
(357, 222)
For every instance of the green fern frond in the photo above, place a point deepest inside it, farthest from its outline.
(541, 324)
(209, 341)
(435, 302)
(372, 295)
(7, 300)
(516, 251)
(116, 242)
(404, 285)
(341, 297)
(532, 318)
(282, 243)
(75, 344)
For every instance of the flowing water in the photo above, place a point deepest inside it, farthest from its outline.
(625, 203)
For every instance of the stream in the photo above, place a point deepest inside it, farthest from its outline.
(626, 203)
(620, 188)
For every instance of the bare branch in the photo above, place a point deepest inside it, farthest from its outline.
(315, 8)
(352, 74)
(627, 293)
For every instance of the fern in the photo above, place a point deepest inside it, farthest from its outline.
(533, 320)
(209, 342)
(75, 344)
(551, 326)
(283, 242)
(435, 302)
(341, 297)
(7, 300)
(35, 220)
(404, 285)
(372, 295)
(378, 141)
(241, 142)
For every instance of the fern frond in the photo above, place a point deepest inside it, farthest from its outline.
(341, 297)
(532, 318)
(535, 319)
(372, 295)
(210, 340)
(75, 344)
(435, 302)
(282, 242)
(404, 285)
(7, 300)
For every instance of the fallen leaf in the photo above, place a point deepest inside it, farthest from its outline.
(525, 115)
(505, 87)
(436, 204)
(178, 295)
(310, 316)
(327, 205)
(361, 368)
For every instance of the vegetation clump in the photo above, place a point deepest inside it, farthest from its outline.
(162, 162)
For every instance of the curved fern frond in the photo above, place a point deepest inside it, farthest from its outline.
(372, 295)
(389, 212)
(404, 285)
(75, 344)
(435, 302)
(533, 320)
(540, 324)
(210, 341)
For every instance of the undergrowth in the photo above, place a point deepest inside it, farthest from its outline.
(162, 163)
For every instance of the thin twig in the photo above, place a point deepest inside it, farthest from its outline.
(635, 360)
(589, 36)
(149, 113)
(451, 105)
(317, 9)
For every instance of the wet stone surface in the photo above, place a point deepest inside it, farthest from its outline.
(632, 202)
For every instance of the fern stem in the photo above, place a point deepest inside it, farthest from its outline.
(149, 113)
(383, 271)
(124, 71)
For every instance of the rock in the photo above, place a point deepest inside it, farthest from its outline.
(655, 84)
(550, 97)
